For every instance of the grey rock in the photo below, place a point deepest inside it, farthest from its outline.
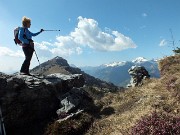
(70, 116)
(36, 99)
(137, 73)
(71, 100)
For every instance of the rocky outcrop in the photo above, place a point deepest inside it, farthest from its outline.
(138, 74)
(29, 103)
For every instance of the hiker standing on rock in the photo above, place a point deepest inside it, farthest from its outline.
(25, 36)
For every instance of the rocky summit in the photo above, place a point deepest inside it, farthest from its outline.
(60, 65)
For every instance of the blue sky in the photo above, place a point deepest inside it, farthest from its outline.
(93, 32)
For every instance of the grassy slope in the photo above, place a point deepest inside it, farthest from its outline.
(129, 106)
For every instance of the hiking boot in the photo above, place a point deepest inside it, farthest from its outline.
(23, 73)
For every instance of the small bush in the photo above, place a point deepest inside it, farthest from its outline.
(157, 124)
(96, 93)
(75, 126)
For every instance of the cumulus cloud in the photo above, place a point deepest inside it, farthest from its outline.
(4, 51)
(163, 42)
(88, 34)
(43, 45)
(43, 49)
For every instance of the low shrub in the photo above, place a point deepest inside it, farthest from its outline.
(75, 126)
(157, 124)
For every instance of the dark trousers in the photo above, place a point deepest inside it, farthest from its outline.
(28, 52)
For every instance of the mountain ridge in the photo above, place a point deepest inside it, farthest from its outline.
(117, 72)
(60, 65)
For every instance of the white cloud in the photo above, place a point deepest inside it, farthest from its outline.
(43, 45)
(79, 50)
(163, 42)
(144, 15)
(4, 51)
(86, 34)
(61, 51)
(64, 47)
(121, 42)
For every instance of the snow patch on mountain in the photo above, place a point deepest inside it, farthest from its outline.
(139, 60)
(117, 72)
(114, 64)
(122, 63)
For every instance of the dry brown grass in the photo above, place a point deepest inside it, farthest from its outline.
(170, 65)
(54, 69)
(129, 106)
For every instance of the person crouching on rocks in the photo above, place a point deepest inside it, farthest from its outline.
(25, 36)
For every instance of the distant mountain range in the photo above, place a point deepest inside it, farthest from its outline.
(117, 72)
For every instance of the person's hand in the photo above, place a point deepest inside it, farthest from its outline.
(31, 43)
(41, 30)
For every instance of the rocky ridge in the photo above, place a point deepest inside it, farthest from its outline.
(117, 72)
(60, 65)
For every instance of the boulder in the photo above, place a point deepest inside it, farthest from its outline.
(29, 103)
(138, 73)
(72, 100)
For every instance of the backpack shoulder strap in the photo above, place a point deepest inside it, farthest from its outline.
(25, 33)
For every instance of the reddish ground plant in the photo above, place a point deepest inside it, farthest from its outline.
(157, 124)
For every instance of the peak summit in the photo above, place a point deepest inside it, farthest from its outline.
(139, 60)
(57, 57)
(59, 61)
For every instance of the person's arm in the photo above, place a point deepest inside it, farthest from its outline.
(35, 34)
(21, 36)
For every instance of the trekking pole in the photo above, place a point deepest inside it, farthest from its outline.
(38, 59)
(2, 127)
(37, 56)
(51, 30)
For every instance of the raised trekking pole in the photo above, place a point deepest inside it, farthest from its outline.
(51, 30)
(2, 127)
